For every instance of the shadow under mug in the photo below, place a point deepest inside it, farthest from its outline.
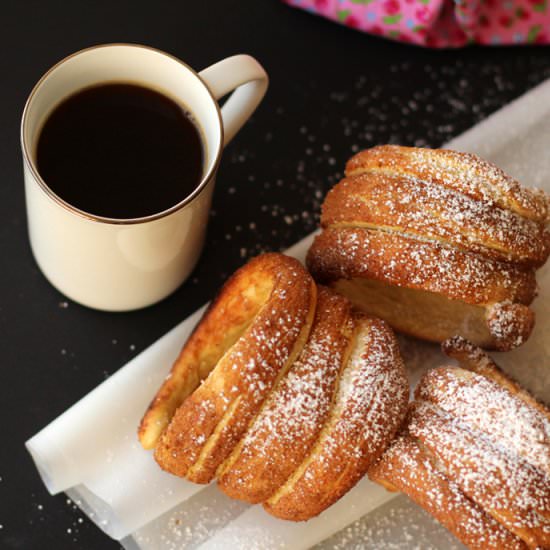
(124, 264)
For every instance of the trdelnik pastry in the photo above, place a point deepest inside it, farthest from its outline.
(283, 393)
(475, 453)
(438, 243)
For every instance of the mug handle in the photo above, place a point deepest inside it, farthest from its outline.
(247, 77)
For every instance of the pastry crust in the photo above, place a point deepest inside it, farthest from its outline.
(486, 438)
(298, 395)
(409, 468)
(290, 422)
(463, 172)
(369, 408)
(426, 289)
(508, 488)
(442, 231)
(223, 323)
(399, 260)
(396, 202)
(476, 360)
(486, 406)
(211, 420)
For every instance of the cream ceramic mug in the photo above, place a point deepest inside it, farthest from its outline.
(125, 264)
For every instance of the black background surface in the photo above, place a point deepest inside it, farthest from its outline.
(333, 91)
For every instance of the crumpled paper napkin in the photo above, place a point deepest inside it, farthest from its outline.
(441, 23)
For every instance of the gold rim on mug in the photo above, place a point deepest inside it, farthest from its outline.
(29, 161)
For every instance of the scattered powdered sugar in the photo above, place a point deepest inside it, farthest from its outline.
(397, 525)
(418, 356)
(191, 523)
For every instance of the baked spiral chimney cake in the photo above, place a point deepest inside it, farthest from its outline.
(475, 453)
(283, 393)
(436, 242)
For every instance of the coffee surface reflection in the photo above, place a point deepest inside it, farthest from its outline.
(120, 150)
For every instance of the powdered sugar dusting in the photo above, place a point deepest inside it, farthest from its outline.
(412, 470)
(211, 421)
(473, 175)
(374, 372)
(294, 413)
(405, 261)
(191, 523)
(413, 205)
(369, 406)
(510, 322)
(463, 172)
(506, 485)
(397, 525)
(483, 405)
(304, 396)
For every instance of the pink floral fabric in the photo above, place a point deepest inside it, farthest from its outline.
(441, 23)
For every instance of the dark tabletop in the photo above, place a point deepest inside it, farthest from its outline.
(333, 91)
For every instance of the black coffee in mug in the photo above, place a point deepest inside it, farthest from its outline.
(120, 150)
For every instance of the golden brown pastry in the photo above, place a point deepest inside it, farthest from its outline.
(289, 424)
(408, 468)
(283, 393)
(368, 409)
(248, 338)
(435, 242)
(475, 454)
